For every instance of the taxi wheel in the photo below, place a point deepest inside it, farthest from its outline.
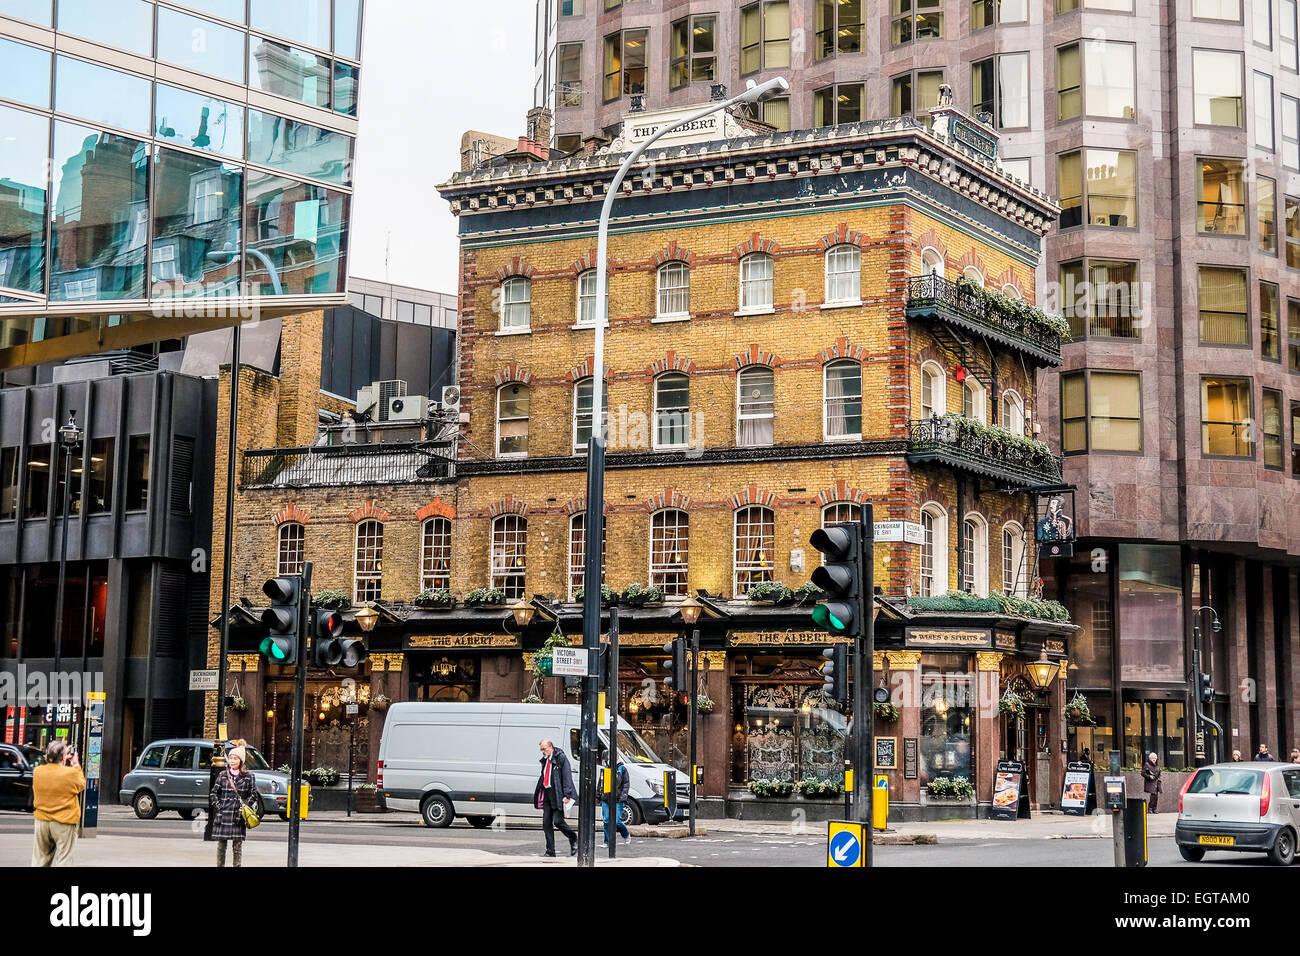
(145, 805)
(1283, 852)
(1192, 854)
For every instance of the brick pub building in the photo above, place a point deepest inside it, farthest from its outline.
(788, 340)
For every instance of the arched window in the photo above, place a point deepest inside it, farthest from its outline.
(974, 400)
(1013, 412)
(934, 550)
(513, 400)
(516, 303)
(670, 551)
(674, 290)
(843, 275)
(975, 555)
(369, 562)
(435, 555)
(931, 262)
(578, 552)
(755, 406)
(840, 512)
(755, 540)
(289, 548)
(973, 274)
(934, 394)
(1011, 291)
(1015, 575)
(582, 423)
(672, 410)
(509, 555)
(587, 298)
(842, 401)
(756, 283)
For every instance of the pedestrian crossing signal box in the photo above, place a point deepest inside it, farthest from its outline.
(1115, 793)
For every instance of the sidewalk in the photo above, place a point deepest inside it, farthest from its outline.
(1043, 825)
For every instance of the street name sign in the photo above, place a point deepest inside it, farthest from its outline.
(569, 662)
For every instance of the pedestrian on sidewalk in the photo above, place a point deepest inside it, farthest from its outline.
(553, 795)
(1295, 756)
(235, 788)
(1263, 753)
(57, 786)
(1151, 781)
(622, 785)
(1236, 756)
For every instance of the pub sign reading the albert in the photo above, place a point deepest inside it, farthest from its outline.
(1054, 524)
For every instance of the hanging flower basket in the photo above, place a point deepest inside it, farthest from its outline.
(380, 702)
(1077, 712)
(1012, 704)
(704, 704)
(531, 699)
(239, 704)
(887, 712)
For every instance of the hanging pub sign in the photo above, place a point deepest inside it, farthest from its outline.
(1054, 527)
(1006, 790)
(1078, 797)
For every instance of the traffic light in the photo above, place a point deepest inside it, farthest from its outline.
(328, 646)
(835, 673)
(840, 576)
(1204, 688)
(281, 645)
(676, 665)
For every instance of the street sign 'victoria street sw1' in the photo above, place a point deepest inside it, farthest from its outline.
(569, 662)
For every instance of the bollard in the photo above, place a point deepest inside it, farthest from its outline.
(880, 805)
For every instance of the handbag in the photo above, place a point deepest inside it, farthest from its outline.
(250, 815)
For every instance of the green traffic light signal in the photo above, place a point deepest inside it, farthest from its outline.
(834, 616)
(275, 649)
(839, 576)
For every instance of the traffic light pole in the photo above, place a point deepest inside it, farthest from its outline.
(611, 692)
(865, 652)
(595, 524)
(692, 698)
(299, 714)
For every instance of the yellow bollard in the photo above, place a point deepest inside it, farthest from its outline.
(304, 797)
(880, 804)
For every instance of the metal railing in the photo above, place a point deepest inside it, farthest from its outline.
(966, 303)
(982, 449)
(340, 465)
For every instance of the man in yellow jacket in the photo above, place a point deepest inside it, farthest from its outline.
(56, 790)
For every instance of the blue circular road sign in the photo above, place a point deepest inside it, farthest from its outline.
(845, 848)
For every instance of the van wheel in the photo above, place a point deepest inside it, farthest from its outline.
(1283, 852)
(145, 805)
(631, 814)
(436, 811)
(1192, 854)
(480, 823)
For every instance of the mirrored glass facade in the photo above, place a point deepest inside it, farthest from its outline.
(122, 182)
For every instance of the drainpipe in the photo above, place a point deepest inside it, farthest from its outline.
(961, 528)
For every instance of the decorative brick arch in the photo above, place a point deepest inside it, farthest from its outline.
(754, 243)
(514, 372)
(841, 492)
(753, 495)
(671, 362)
(509, 505)
(931, 239)
(515, 267)
(673, 253)
(579, 505)
(579, 372)
(755, 356)
(291, 513)
(973, 258)
(842, 349)
(842, 236)
(437, 508)
(668, 498)
(1007, 278)
(586, 262)
(370, 511)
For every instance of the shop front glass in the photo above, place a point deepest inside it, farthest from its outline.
(1151, 613)
(1097, 738)
(445, 679)
(334, 739)
(947, 708)
(653, 710)
(1155, 726)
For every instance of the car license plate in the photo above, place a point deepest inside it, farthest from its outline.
(1217, 840)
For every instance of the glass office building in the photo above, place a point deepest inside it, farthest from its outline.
(165, 160)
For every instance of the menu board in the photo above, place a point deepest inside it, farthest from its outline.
(886, 753)
(909, 758)
(1077, 796)
(1006, 790)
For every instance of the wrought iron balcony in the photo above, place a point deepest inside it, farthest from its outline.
(326, 466)
(981, 450)
(1012, 324)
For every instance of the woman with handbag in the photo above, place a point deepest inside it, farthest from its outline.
(236, 805)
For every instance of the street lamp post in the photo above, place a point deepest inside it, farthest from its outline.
(591, 575)
(1196, 671)
(69, 440)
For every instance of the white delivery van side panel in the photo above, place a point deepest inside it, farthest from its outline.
(523, 727)
(447, 748)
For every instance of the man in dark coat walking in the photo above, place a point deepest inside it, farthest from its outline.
(1151, 781)
(554, 793)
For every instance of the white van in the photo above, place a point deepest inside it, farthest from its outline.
(448, 760)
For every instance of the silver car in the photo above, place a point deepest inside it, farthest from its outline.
(1247, 807)
(176, 775)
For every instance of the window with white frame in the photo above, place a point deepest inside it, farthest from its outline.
(435, 555)
(756, 283)
(674, 290)
(209, 196)
(163, 259)
(974, 400)
(934, 550)
(755, 540)
(582, 422)
(1014, 574)
(587, 298)
(934, 396)
(578, 552)
(672, 410)
(516, 303)
(670, 551)
(931, 262)
(1013, 412)
(755, 406)
(513, 400)
(843, 275)
(842, 392)
(973, 274)
(1012, 291)
(290, 549)
(369, 562)
(975, 556)
(509, 555)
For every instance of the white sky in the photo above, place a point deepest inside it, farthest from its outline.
(430, 70)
